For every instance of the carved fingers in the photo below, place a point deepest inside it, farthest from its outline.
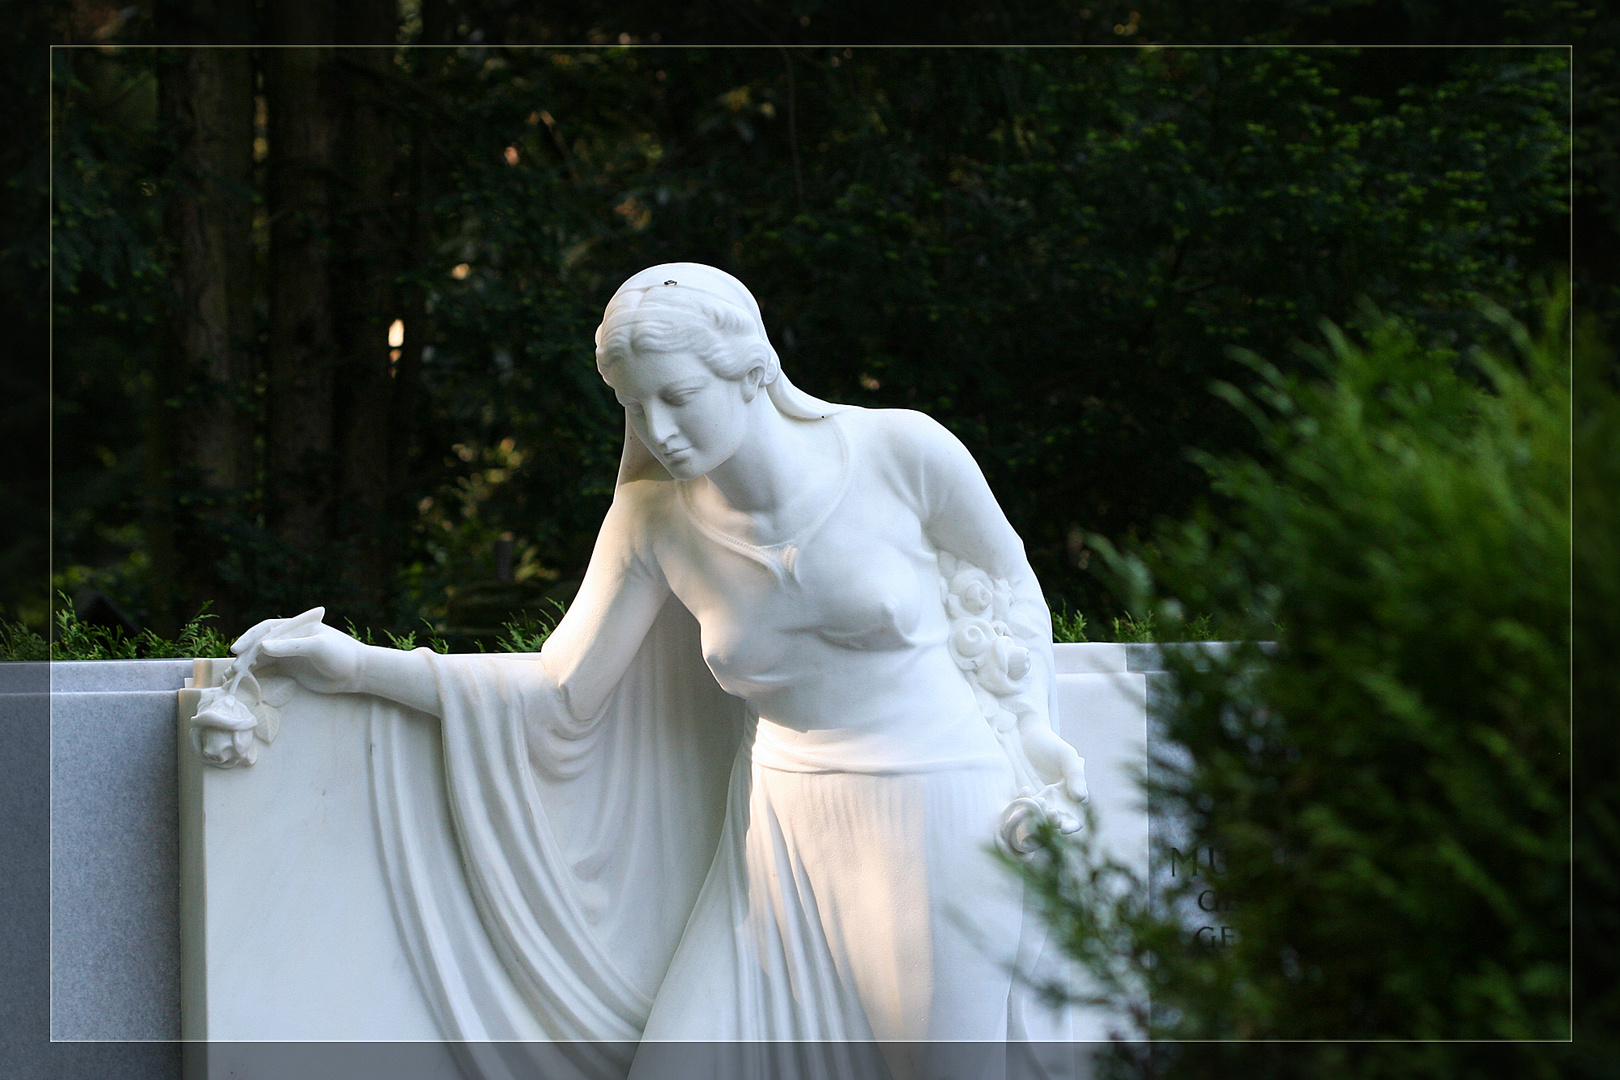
(1056, 761)
(323, 659)
(271, 628)
(1074, 775)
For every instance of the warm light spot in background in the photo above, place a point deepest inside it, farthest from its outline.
(460, 271)
(396, 338)
(511, 155)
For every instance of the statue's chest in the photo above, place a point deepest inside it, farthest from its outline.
(866, 579)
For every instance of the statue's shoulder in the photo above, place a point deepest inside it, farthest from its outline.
(907, 436)
(902, 429)
(642, 508)
(916, 456)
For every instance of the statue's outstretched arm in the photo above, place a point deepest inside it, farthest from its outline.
(328, 661)
(584, 658)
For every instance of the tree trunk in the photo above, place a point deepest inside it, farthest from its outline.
(201, 442)
(421, 243)
(300, 350)
(366, 264)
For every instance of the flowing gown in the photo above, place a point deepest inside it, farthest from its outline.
(780, 825)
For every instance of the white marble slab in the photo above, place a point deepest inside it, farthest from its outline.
(289, 932)
(287, 927)
(295, 832)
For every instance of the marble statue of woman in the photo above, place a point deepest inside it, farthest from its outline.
(750, 787)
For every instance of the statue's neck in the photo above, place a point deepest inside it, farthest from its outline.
(781, 475)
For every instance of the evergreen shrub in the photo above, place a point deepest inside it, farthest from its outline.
(1380, 801)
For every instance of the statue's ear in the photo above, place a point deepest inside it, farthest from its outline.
(753, 380)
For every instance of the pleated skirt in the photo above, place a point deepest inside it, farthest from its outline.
(847, 907)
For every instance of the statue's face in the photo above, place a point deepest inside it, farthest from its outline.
(690, 418)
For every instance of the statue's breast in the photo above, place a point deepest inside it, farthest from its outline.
(868, 586)
(863, 599)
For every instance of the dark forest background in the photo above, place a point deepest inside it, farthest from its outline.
(321, 316)
(312, 325)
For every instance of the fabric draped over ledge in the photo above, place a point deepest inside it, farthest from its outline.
(543, 870)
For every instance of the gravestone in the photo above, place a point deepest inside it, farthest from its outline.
(116, 903)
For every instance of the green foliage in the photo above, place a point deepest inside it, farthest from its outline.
(24, 295)
(529, 631)
(1596, 492)
(407, 641)
(76, 640)
(1048, 250)
(72, 639)
(18, 642)
(366, 636)
(1387, 792)
(1144, 628)
(1068, 626)
(525, 632)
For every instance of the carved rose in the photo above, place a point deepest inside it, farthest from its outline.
(970, 643)
(231, 716)
(988, 622)
(1026, 814)
(1004, 665)
(1003, 599)
(1017, 662)
(976, 597)
(223, 729)
(971, 592)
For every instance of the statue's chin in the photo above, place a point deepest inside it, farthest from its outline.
(685, 468)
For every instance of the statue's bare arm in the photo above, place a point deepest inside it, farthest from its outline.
(620, 596)
(329, 661)
(584, 658)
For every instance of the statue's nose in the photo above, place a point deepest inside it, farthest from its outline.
(660, 427)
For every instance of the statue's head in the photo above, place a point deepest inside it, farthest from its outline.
(687, 308)
(684, 350)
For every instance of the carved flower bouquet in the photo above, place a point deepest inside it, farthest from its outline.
(986, 625)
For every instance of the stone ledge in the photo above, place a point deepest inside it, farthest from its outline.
(117, 676)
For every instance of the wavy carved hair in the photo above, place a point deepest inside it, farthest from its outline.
(681, 318)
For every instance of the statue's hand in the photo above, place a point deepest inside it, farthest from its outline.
(1056, 761)
(321, 659)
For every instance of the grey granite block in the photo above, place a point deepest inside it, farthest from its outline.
(26, 1052)
(24, 678)
(25, 899)
(114, 932)
(106, 676)
(1143, 658)
(115, 866)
